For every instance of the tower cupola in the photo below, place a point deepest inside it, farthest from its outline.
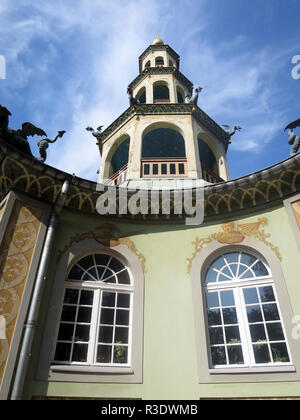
(163, 135)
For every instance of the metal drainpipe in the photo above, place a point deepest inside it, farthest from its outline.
(30, 326)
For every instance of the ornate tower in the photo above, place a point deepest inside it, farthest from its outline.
(163, 136)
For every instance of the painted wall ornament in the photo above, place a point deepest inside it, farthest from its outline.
(232, 233)
(294, 140)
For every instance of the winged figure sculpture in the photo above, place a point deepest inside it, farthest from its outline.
(294, 140)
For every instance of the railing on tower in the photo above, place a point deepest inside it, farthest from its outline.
(162, 168)
(119, 177)
(209, 176)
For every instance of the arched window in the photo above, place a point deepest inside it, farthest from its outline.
(180, 97)
(161, 92)
(148, 64)
(207, 157)
(96, 321)
(159, 61)
(163, 143)
(141, 96)
(243, 318)
(120, 156)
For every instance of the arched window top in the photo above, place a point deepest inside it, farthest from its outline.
(159, 61)
(163, 143)
(141, 96)
(207, 157)
(161, 91)
(120, 156)
(102, 268)
(236, 267)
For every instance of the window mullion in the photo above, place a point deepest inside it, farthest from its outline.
(242, 326)
(94, 327)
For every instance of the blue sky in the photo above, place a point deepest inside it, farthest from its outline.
(69, 62)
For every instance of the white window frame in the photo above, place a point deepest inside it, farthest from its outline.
(98, 287)
(98, 373)
(237, 287)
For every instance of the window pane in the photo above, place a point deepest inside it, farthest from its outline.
(71, 296)
(107, 316)
(122, 317)
(66, 332)
(212, 300)
(232, 257)
(235, 355)
(216, 336)
(82, 333)
(108, 299)
(76, 273)
(211, 276)
(104, 354)
(84, 314)
(120, 354)
(68, 313)
(116, 265)
(123, 277)
(86, 297)
(79, 353)
(250, 296)
(214, 317)
(254, 314)
(218, 264)
(218, 356)
(232, 335)
(121, 335)
(86, 262)
(102, 259)
(260, 269)
(275, 331)
(267, 294)
(247, 259)
(257, 333)
(229, 316)
(227, 298)
(123, 300)
(106, 334)
(62, 353)
(280, 353)
(271, 312)
(261, 353)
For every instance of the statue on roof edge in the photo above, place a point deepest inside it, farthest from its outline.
(294, 140)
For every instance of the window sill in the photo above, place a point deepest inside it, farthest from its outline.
(248, 370)
(92, 369)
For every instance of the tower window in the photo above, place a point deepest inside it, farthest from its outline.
(120, 157)
(179, 97)
(163, 143)
(161, 92)
(159, 61)
(207, 157)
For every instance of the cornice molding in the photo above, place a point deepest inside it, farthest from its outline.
(149, 71)
(246, 195)
(167, 109)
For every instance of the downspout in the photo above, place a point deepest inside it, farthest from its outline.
(30, 326)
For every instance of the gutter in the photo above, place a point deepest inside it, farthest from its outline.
(31, 324)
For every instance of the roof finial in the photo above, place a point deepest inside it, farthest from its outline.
(158, 40)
